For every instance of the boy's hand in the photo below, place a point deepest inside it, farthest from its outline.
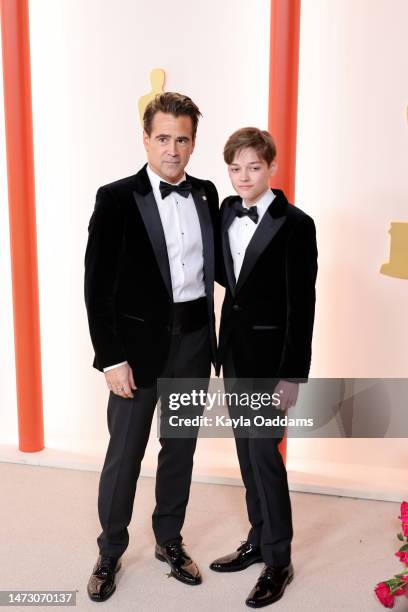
(288, 392)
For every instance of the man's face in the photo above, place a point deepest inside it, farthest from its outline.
(169, 145)
(250, 175)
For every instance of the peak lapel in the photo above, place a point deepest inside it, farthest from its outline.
(268, 227)
(207, 234)
(151, 218)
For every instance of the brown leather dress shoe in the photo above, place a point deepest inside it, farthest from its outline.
(182, 566)
(243, 557)
(101, 584)
(271, 586)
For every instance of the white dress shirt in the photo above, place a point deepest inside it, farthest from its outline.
(182, 233)
(243, 228)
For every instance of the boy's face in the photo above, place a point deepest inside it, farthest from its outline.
(250, 175)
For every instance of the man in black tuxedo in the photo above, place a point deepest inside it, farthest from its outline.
(270, 267)
(149, 274)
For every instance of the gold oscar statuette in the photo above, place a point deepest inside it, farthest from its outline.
(157, 77)
(398, 264)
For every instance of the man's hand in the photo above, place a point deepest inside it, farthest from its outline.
(288, 392)
(120, 380)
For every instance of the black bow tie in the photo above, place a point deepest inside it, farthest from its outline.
(241, 211)
(183, 188)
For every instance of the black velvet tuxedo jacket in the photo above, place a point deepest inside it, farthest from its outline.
(268, 314)
(128, 290)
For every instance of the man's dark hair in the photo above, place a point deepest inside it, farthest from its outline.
(173, 103)
(250, 137)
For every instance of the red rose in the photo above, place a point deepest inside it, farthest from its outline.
(382, 590)
(404, 510)
(403, 557)
(404, 517)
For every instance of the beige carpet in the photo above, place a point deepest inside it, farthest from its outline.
(49, 523)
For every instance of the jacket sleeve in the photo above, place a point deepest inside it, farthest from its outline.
(301, 271)
(220, 275)
(102, 262)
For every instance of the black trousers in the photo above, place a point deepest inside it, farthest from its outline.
(267, 494)
(129, 423)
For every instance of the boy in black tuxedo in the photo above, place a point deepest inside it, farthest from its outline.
(270, 266)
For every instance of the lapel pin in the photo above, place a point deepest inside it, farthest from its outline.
(204, 197)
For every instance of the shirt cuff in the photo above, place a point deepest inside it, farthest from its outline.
(114, 366)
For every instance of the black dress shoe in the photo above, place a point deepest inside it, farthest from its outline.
(271, 586)
(101, 584)
(182, 566)
(243, 557)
